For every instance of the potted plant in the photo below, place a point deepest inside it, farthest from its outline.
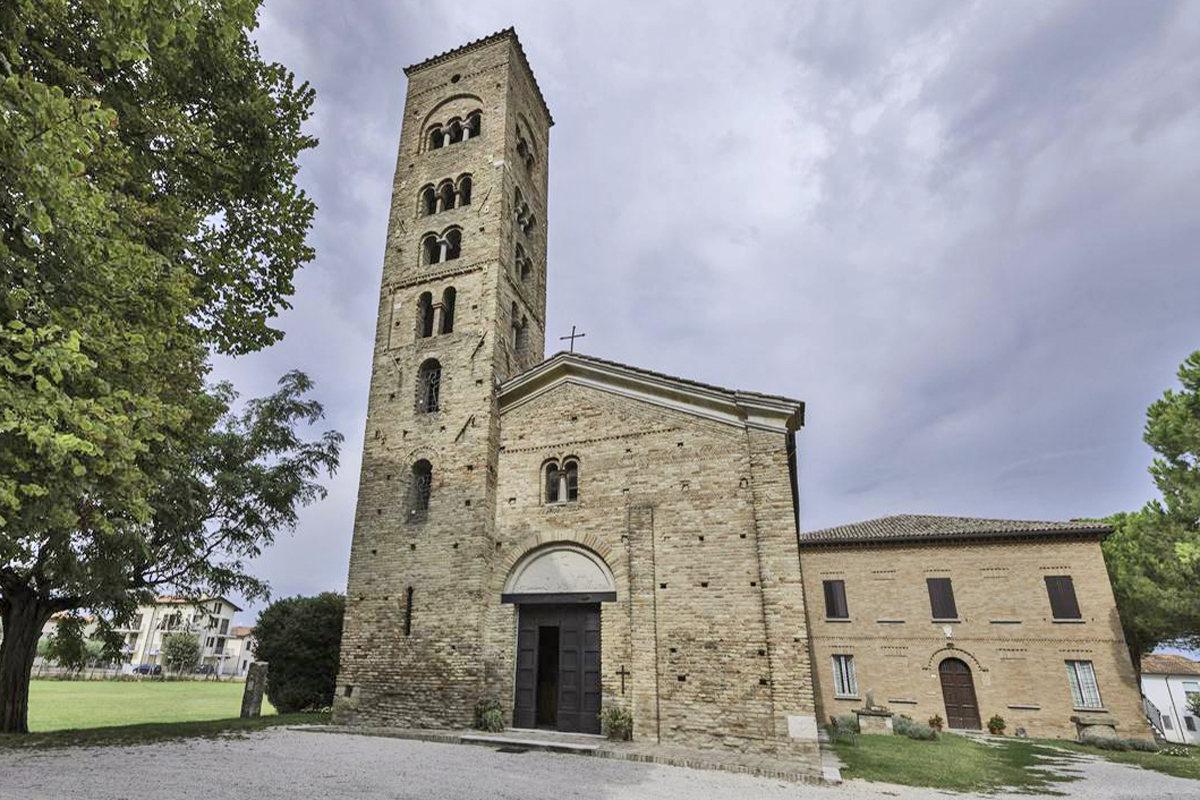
(936, 722)
(617, 723)
(996, 725)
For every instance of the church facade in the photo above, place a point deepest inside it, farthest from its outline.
(569, 534)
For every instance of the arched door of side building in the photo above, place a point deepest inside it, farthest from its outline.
(958, 692)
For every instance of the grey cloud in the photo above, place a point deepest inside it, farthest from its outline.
(965, 234)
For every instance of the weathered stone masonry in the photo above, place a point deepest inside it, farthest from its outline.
(686, 492)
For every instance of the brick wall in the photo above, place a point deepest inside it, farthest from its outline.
(1015, 650)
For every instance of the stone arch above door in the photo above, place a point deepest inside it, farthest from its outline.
(559, 572)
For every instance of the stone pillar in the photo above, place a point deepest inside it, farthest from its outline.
(256, 685)
(782, 590)
(643, 624)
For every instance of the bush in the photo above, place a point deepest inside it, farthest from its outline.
(936, 722)
(1120, 745)
(493, 721)
(996, 725)
(301, 638)
(487, 711)
(906, 726)
(617, 723)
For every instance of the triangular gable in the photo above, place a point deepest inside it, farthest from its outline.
(742, 409)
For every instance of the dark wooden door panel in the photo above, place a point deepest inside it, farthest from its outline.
(526, 693)
(958, 693)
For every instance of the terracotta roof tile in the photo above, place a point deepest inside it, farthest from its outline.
(1169, 664)
(912, 527)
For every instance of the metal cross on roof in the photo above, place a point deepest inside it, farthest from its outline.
(572, 337)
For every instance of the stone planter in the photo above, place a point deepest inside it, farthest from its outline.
(873, 720)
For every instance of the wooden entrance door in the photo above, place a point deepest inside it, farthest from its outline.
(958, 692)
(578, 666)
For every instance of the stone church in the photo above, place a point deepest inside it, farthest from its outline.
(561, 534)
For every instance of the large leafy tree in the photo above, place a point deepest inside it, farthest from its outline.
(1153, 554)
(301, 637)
(149, 218)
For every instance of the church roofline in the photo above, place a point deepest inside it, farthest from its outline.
(931, 527)
(507, 33)
(743, 409)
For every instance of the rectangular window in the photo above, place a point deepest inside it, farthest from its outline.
(835, 600)
(1085, 692)
(1167, 726)
(1190, 722)
(941, 598)
(408, 612)
(1061, 590)
(224, 626)
(845, 684)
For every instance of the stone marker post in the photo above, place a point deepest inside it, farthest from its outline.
(256, 684)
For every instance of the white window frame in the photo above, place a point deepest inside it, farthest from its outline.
(1082, 676)
(845, 679)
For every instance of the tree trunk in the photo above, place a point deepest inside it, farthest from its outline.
(23, 618)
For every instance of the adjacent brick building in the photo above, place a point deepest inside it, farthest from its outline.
(966, 618)
(567, 534)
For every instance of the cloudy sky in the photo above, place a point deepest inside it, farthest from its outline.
(967, 235)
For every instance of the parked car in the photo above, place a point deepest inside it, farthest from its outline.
(205, 669)
(148, 669)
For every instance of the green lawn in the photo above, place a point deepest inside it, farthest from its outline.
(61, 705)
(963, 764)
(952, 762)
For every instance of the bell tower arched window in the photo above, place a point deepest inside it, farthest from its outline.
(428, 201)
(453, 242)
(436, 138)
(420, 489)
(464, 191)
(425, 315)
(429, 387)
(445, 200)
(448, 298)
(474, 125)
(431, 249)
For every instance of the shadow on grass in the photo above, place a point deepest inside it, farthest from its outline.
(155, 732)
(959, 763)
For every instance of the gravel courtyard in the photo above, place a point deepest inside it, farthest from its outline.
(282, 764)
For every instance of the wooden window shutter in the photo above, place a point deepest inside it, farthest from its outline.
(941, 598)
(1063, 603)
(835, 600)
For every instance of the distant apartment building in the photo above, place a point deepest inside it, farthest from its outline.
(209, 619)
(1169, 682)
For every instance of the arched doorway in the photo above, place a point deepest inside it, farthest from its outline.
(958, 693)
(558, 590)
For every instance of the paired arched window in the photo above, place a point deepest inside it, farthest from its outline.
(562, 481)
(436, 317)
(446, 196)
(436, 249)
(455, 130)
(429, 387)
(420, 489)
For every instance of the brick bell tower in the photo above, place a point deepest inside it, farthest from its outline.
(461, 308)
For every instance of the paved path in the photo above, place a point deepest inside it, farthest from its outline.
(293, 765)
